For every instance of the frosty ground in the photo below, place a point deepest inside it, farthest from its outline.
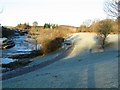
(82, 68)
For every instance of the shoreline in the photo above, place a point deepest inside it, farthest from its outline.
(28, 69)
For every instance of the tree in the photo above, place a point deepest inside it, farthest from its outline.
(24, 26)
(35, 23)
(104, 29)
(112, 8)
(87, 22)
(83, 28)
(46, 25)
(93, 27)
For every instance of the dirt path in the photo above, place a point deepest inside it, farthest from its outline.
(24, 70)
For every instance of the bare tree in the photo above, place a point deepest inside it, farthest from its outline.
(104, 29)
(35, 23)
(112, 8)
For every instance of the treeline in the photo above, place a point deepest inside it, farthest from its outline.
(24, 26)
(52, 26)
(95, 25)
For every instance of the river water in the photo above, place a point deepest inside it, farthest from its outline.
(21, 47)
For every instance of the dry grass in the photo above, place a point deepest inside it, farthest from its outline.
(51, 39)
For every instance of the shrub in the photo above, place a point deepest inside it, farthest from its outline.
(50, 39)
(52, 45)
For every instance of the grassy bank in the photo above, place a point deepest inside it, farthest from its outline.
(50, 39)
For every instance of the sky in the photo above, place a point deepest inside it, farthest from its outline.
(61, 12)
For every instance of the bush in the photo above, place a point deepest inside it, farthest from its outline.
(50, 39)
(52, 45)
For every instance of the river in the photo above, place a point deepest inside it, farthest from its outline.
(21, 47)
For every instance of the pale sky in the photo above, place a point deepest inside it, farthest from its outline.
(62, 12)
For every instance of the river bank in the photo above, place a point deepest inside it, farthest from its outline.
(30, 68)
(16, 54)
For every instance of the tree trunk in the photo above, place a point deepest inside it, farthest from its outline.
(103, 42)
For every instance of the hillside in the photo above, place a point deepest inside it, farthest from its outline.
(82, 68)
